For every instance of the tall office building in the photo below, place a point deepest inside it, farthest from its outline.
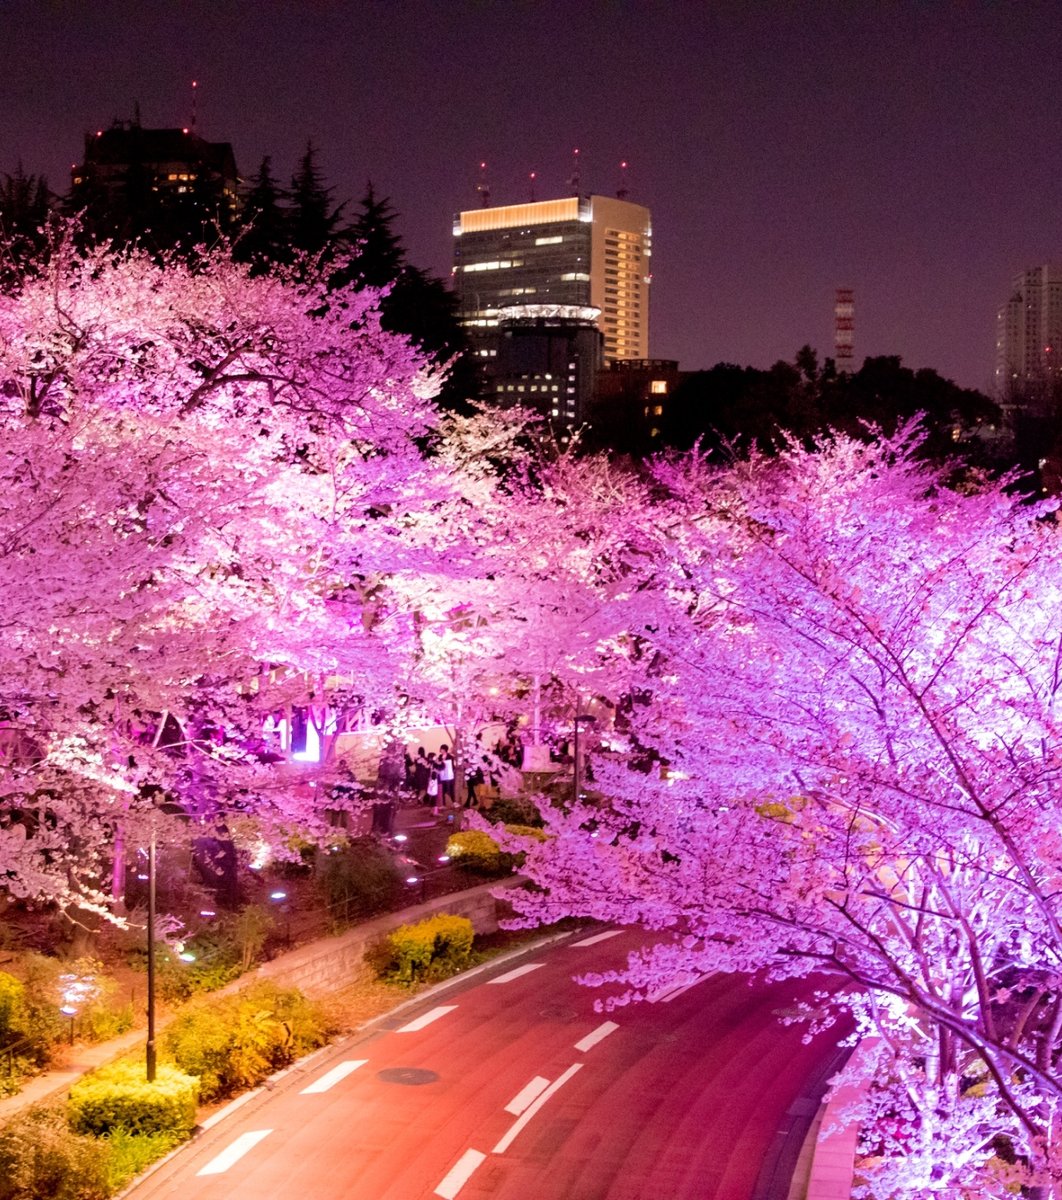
(166, 186)
(1029, 339)
(580, 251)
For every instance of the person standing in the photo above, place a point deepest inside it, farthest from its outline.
(421, 771)
(446, 774)
(432, 796)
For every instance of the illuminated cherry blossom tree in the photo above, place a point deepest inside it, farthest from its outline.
(854, 685)
(201, 475)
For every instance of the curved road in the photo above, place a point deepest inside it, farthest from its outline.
(508, 1086)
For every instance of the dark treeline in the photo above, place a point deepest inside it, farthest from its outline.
(728, 408)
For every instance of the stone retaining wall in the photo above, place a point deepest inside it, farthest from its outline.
(331, 963)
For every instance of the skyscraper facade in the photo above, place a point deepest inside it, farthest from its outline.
(1029, 338)
(579, 251)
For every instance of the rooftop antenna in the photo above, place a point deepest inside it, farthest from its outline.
(573, 182)
(532, 176)
(483, 187)
(195, 91)
(623, 191)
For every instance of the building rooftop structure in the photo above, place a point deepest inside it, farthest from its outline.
(578, 251)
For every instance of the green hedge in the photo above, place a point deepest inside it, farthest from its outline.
(431, 949)
(120, 1097)
(236, 1041)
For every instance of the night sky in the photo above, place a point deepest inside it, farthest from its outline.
(911, 151)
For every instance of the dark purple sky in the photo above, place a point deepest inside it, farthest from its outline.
(909, 150)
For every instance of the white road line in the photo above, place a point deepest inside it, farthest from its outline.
(431, 1015)
(533, 1108)
(228, 1157)
(222, 1113)
(598, 937)
(601, 1032)
(685, 988)
(516, 972)
(459, 1173)
(674, 989)
(331, 1078)
(526, 1094)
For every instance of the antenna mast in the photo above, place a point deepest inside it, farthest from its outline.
(531, 177)
(195, 107)
(573, 182)
(623, 191)
(483, 187)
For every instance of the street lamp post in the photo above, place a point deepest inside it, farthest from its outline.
(151, 961)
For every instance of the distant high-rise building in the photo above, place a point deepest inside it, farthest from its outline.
(1029, 339)
(548, 357)
(580, 251)
(166, 186)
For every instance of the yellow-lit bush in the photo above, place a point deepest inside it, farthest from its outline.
(236, 1041)
(431, 949)
(120, 1097)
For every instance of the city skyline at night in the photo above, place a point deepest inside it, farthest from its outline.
(784, 150)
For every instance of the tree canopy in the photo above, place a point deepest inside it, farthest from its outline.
(849, 678)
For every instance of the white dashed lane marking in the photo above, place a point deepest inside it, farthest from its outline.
(516, 973)
(459, 1173)
(331, 1078)
(220, 1163)
(533, 1108)
(601, 1032)
(432, 1014)
(597, 937)
(526, 1094)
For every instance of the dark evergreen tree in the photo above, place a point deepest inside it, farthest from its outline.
(25, 206)
(262, 227)
(313, 222)
(417, 304)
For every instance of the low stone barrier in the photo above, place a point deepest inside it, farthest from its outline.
(833, 1164)
(330, 963)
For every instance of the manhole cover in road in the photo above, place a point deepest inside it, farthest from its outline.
(557, 1012)
(410, 1076)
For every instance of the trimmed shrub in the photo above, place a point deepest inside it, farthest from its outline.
(514, 810)
(431, 949)
(119, 1097)
(40, 1021)
(40, 1156)
(477, 851)
(236, 1041)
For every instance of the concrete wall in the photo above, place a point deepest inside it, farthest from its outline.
(333, 962)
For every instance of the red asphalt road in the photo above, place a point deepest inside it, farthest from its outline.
(680, 1101)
